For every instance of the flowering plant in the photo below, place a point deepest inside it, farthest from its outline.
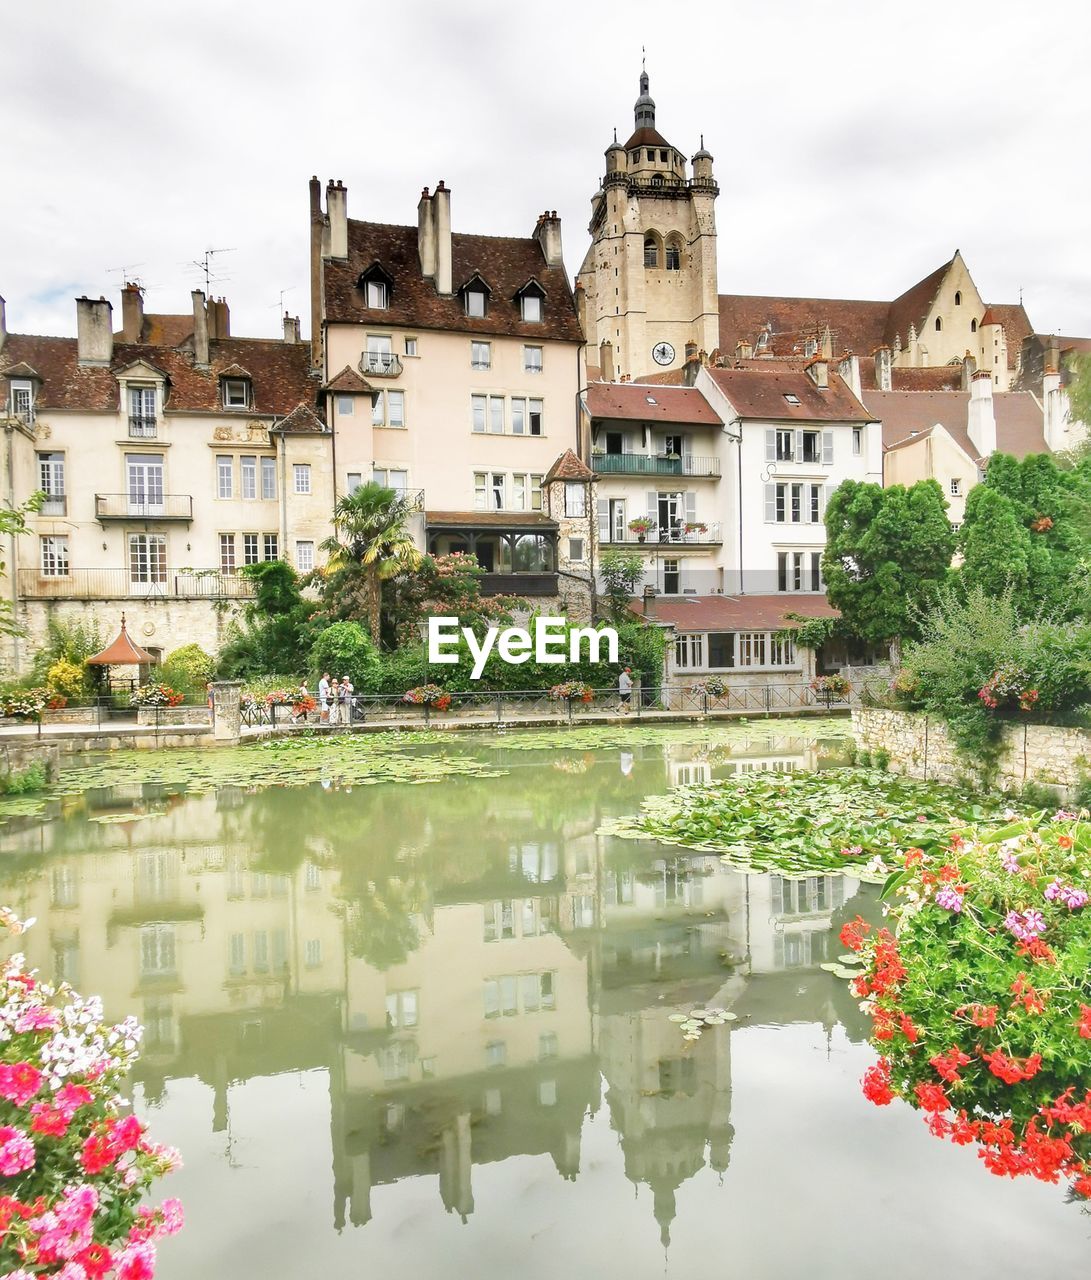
(1008, 687)
(696, 526)
(303, 706)
(26, 704)
(641, 525)
(573, 690)
(835, 686)
(714, 686)
(74, 1166)
(277, 698)
(980, 1000)
(428, 695)
(157, 695)
(1043, 524)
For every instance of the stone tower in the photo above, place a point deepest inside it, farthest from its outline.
(648, 283)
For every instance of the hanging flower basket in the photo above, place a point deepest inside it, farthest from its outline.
(573, 691)
(1008, 688)
(834, 686)
(157, 695)
(428, 695)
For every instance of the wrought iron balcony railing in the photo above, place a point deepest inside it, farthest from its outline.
(646, 464)
(119, 584)
(143, 506)
(694, 535)
(381, 364)
(142, 428)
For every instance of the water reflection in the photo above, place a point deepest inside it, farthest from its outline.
(475, 970)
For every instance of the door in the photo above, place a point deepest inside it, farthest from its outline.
(669, 516)
(147, 563)
(617, 519)
(615, 442)
(145, 484)
(380, 354)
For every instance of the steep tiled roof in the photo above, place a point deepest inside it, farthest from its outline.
(568, 467)
(912, 307)
(162, 330)
(506, 262)
(855, 325)
(279, 371)
(940, 377)
(21, 370)
(301, 421)
(350, 382)
(639, 402)
(1020, 428)
(647, 137)
(760, 393)
(736, 613)
(667, 378)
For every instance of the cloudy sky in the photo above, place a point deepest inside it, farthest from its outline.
(857, 145)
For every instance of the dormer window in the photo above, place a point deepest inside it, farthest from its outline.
(22, 401)
(377, 287)
(531, 305)
(475, 301)
(236, 393)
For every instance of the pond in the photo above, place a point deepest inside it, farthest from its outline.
(407, 1010)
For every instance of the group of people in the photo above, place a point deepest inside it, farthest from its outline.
(336, 700)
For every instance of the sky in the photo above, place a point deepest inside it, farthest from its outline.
(856, 146)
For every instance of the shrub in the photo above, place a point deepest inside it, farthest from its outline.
(26, 704)
(189, 669)
(345, 649)
(880, 758)
(67, 679)
(73, 640)
(21, 782)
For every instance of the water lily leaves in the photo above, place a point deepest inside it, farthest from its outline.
(677, 1017)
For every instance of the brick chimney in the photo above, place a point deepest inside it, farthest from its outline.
(337, 214)
(849, 369)
(94, 331)
(969, 368)
(744, 350)
(441, 215)
(691, 367)
(882, 369)
(981, 419)
(649, 601)
(291, 328)
(200, 329)
(426, 235)
(548, 234)
(819, 371)
(317, 227)
(219, 319)
(606, 360)
(132, 312)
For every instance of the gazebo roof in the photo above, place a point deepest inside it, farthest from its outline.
(123, 652)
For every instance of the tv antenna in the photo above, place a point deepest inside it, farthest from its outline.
(280, 305)
(127, 273)
(204, 265)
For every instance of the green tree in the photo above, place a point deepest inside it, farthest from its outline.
(1079, 389)
(371, 542)
(345, 649)
(621, 572)
(442, 586)
(887, 551)
(995, 546)
(13, 522)
(272, 635)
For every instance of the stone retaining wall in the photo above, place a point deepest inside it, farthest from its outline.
(172, 715)
(16, 757)
(920, 746)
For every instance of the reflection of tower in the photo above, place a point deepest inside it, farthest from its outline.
(455, 1166)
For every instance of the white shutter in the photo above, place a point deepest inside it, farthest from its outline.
(603, 505)
(653, 505)
(770, 503)
(827, 447)
(691, 508)
(797, 456)
(770, 446)
(687, 446)
(824, 500)
(626, 443)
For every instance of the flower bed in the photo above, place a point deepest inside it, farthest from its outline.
(981, 998)
(74, 1165)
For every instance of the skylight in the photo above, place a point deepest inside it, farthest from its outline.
(791, 398)
(651, 399)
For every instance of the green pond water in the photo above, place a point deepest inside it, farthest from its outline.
(407, 1012)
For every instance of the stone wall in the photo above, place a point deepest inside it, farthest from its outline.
(16, 757)
(173, 715)
(921, 747)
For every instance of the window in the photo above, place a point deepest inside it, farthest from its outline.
(958, 299)
(535, 412)
(799, 571)
(496, 491)
(474, 302)
(651, 251)
(401, 1010)
(345, 406)
(375, 293)
(575, 499)
(857, 441)
(496, 415)
(225, 476)
(54, 556)
(304, 556)
(312, 953)
(142, 411)
(396, 478)
(496, 1055)
(147, 558)
(532, 359)
(721, 649)
(227, 553)
(531, 306)
(764, 649)
(248, 477)
(270, 546)
(51, 483)
(791, 399)
(526, 416)
(524, 487)
(480, 355)
(956, 525)
(410, 346)
(236, 393)
(353, 481)
(689, 651)
(973, 326)
(785, 446)
(490, 409)
(794, 503)
(939, 323)
(249, 548)
(956, 487)
(301, 474)
(575, 549)
(477, 412)
(22, 401)
(673, 257)
(269, 478)
(157, 950)
(395, 408)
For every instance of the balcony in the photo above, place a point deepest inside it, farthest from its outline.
(141, 428)
(519, 584)
(646, 464)
(707, 534)
(125, 506)
(380, 364)
(118, 584)
(54, 504)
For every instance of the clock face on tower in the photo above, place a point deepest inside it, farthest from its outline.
(662, 353)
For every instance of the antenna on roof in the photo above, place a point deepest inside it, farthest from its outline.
(128, 274)
(280, 304)
(204, 265)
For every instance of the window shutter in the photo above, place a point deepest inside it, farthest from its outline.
(770, 446)
(797, 456)
(603, 505)
(653, 505)
(770, 504)
(626, 443)
(824, 500)
(827, 446)
(691, 508)
(687, 446)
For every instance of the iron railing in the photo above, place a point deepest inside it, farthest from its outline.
(384, 364)
(647, 464)
(125, 506)
(142, 428)
(54, 504)
(118, 584)
(704, 534)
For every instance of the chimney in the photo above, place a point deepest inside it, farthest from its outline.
(1055, 402)
(981, 420)
(826, 343)
(849, 369)
(743, 350)
(692, 365)
(969, 368)
(317, 308)
(606, 360)
(882, 369)
(94, 331)
(291, 328)
(649, 601)
(132, 312)
(819, 370)
(219, 319)
(337, 211)
(548, 235)
(441, 217)
(426, 235)
(3, 323)
(200, 330)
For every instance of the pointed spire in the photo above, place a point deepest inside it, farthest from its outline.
(644, 111)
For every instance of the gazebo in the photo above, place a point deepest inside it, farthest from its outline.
(121, 652)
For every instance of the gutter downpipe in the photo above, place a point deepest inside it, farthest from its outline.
(9, 465)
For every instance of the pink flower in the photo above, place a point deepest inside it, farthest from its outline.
(71, 1271)
(38, 1017)
(70, 1097)
(854, 851)
(949, 898)
(1009, 861)
(173, 1216)
(137, 1262)
(19, 1082)
(16, 1151)
(126, 1134)
(1074, 899)
(1053, 890)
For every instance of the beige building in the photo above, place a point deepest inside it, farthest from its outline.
(170, 455)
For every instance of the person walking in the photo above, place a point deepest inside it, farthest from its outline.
(324, 697)
(302, 698)
(335, 702)
(624, 691)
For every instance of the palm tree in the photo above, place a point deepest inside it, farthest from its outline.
(371, 532)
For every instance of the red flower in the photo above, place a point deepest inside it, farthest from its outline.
(914, 857)
(853, 934)
(19, 1082)
(1084, 1023)
(98, 1153)
(1032, 1001)
(52, 1122)
(947, 1065)
(983, 1015)
(96, 1260)
(1009, 1069)
(876, 1084)
(909, 1030)
(932, 1097)
(948, 873)
(1037, 950)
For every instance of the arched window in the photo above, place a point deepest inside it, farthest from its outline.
(939, 324)
(958, 299)
(973, 326)
(651, 249)
(674, 254)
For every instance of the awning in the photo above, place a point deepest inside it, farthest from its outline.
(123, 652)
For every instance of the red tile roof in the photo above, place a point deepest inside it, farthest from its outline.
(736, 613)
(760, 393)
(280, 373)
(668, 378)
(647, 137)
(568, 467)
(162, 330)
(940, 377)
(1017, 326)
(1020, 428)
(643, 402)
(481, 519)
(122, 651)
(350, 382)
(913, 306)
(506, 263)
(302, 421)
(856, 325)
